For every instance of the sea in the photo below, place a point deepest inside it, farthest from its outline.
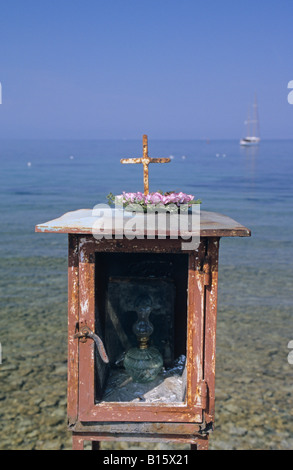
(41, 180)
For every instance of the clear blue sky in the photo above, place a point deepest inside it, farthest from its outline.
(119, 68)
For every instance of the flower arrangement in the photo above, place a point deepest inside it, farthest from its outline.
(168, 200)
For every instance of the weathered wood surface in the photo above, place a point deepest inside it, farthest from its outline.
(83, 221)
(197, 442)
(140, 428)
(73, 318)
(89, 410)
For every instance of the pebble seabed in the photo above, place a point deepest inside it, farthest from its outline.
(253, 377)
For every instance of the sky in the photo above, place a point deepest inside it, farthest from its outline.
(116, 69)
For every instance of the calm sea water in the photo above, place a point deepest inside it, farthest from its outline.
(39, 181)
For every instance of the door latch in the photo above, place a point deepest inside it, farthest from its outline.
(85, 333)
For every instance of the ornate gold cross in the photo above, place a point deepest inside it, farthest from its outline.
(145, 160)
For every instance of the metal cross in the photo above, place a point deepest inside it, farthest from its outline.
(145, 160)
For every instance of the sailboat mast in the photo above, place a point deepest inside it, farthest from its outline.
(248, 123)
(255, 106)
(252, 124)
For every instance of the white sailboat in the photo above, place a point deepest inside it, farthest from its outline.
(252, 125)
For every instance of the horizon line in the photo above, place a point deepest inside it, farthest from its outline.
(123, 139)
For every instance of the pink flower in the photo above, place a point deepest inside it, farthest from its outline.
(173, 198)
(129, 197)
(156, 198)
(147, 199)
(166, 199)
(139, 197)
(181, 198)
(188, 198)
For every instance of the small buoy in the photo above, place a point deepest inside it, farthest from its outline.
(29, 164)
(71, 157)
(183, 157)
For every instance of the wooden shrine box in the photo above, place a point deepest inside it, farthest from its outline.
(104, 277)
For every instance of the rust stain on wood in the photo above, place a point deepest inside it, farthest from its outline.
(182, 422)
(73, 306)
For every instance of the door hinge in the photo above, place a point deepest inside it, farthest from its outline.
(206, 271)
(201, 396)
